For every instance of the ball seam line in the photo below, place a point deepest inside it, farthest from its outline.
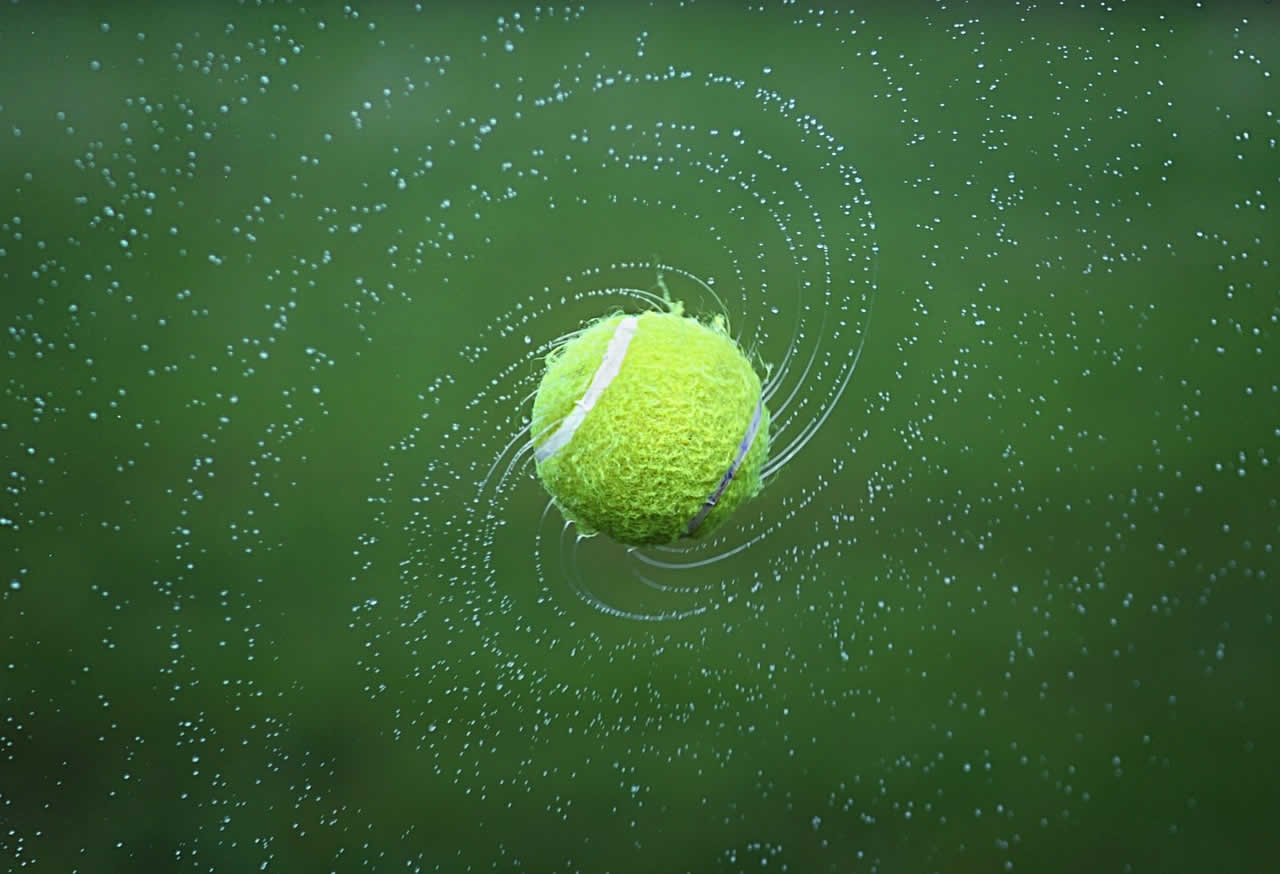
(743, 448)
(610, 364)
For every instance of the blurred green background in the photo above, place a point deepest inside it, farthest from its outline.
(277, 280)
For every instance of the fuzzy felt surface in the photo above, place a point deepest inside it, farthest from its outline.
(656, 442)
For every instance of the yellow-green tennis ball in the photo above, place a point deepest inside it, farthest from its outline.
(650, 428)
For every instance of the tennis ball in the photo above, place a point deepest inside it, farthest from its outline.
(650, 428)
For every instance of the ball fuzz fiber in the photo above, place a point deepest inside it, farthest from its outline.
(650, 428)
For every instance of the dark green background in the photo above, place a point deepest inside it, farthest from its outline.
(1011, 608)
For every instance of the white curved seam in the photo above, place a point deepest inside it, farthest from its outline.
(610, 364)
